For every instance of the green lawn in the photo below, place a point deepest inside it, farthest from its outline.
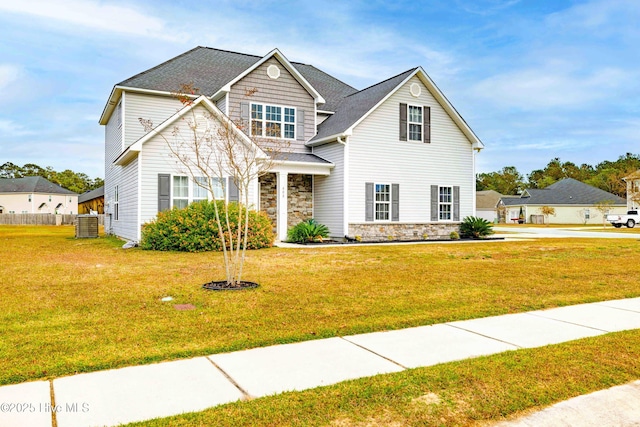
(70, 305)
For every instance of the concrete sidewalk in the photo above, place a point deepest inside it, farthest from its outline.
(109, 398)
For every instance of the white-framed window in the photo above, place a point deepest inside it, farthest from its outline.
(180, 191)
(29, 197)
(414, 123)
(587, 214)
(273, 121)
(382, 202)
(200, 189)
(186, 191)
(116, 204)
(445, 203)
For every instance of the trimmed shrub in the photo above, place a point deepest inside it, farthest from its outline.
(454, 235)
(475, 227)
(307, 231)
(194, 229)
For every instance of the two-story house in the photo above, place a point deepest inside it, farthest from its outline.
(633, 190)
(392, 160)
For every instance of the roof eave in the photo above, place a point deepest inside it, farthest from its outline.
(330, 138)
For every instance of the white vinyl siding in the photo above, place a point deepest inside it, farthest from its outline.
(149, 107)
(328, 191)
(377, 155)
(126, 225)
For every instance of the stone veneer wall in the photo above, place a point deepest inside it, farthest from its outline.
(300, 195)
(402, 231)
(300, 192)
(268, 197)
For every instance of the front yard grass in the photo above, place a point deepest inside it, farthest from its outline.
(69, 306)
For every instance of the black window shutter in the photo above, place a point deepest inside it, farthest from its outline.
(300, 125)
(395, 202)
(434, 203)
(368, 190)
(426, 118)
(456, 203)
(403, 122)
(164, 192)
(234, 195)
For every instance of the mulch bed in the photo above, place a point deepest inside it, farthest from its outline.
(222, 285)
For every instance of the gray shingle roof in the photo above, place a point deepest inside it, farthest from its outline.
(210, 69)
(90, 195)
(301, 157)
(356, 105)
(564, 192)
(31, 184)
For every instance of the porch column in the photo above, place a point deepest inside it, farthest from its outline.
(281, 185)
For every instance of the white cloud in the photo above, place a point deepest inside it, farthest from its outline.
(9, 128)
(94, 15)
(8, 74)
(485, 7)
(600, 17)
(555, 84)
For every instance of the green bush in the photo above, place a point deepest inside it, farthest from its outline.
(454, 235)
(194, 229)
(475, 227)
(307, 231)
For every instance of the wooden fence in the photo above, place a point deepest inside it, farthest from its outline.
(41, 219)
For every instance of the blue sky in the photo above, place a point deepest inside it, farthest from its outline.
(535, 79)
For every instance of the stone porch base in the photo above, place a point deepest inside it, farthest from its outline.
(368, 232)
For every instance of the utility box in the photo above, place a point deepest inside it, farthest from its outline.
(537, 219)
(86, 226)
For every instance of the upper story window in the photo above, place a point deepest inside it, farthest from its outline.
(415, 123)
(273, 121)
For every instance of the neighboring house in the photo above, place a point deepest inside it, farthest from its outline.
(633, 190)
(34, 194)
(91, 201)
(488, 205)
(392, 160)
(574, 203)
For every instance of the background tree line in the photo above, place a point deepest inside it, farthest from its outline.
(606, 175)
(73, 181)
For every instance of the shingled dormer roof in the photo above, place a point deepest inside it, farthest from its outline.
(31, 184)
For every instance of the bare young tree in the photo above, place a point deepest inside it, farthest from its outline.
(217, 154)
(604, 206)
(546, 211)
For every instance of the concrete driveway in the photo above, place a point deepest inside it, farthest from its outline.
(523, 231)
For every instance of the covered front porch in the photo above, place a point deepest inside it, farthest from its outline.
(286, 192)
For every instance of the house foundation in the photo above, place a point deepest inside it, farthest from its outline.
(368, 232)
